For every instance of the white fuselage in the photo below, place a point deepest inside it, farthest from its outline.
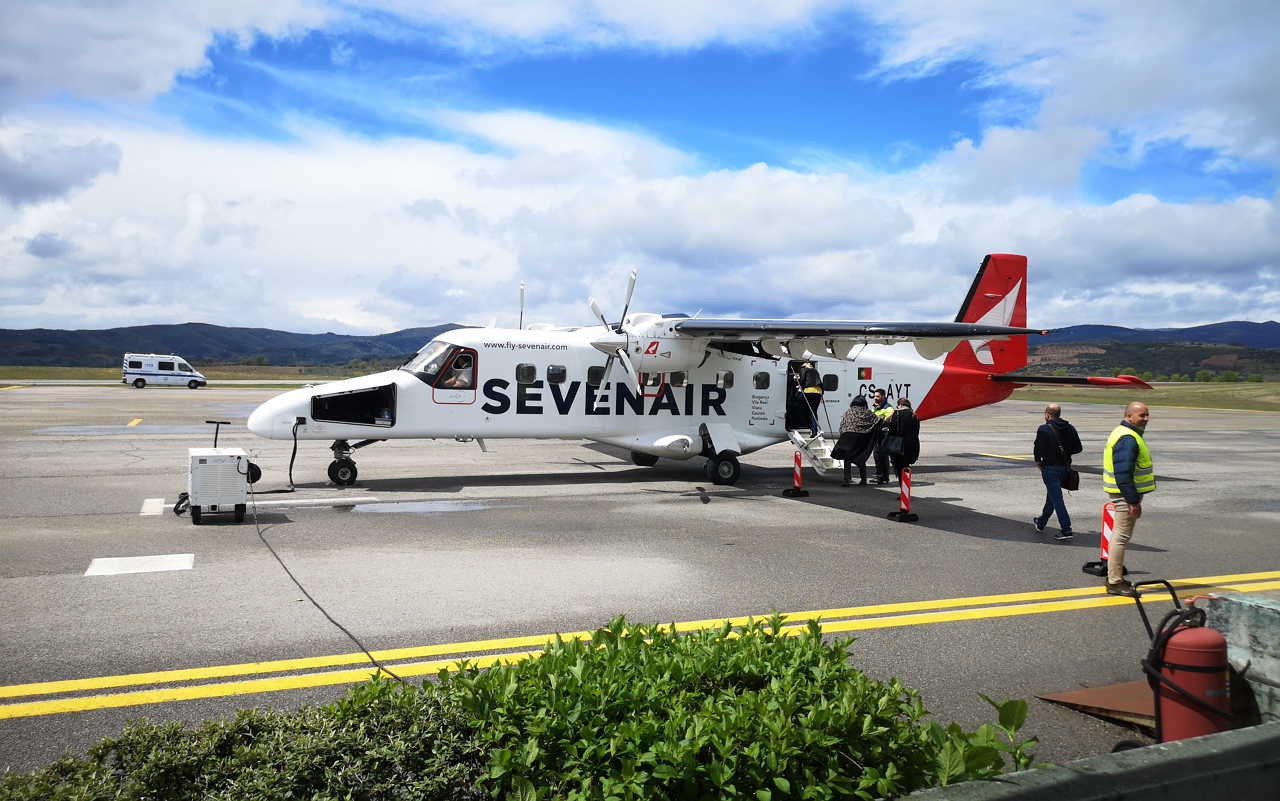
(534, 384)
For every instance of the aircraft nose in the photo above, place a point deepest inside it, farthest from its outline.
(274, 418)
(260, 420)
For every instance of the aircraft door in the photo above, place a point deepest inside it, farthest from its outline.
(456, 385)
(798, 415)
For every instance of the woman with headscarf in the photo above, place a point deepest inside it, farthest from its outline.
(859, 429)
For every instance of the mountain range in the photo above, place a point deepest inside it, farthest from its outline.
(202, 343)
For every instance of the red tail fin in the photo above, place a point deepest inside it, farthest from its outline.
(998, 297)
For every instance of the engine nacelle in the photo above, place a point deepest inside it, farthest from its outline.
(656, 347)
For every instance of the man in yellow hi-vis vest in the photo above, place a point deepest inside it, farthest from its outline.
(1127, 476)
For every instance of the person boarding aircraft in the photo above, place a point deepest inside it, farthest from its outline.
(673, 386)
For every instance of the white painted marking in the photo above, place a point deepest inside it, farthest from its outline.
(152, 506)
(354, 500)
(117, 565)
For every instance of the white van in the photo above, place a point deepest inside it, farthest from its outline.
(141, 369)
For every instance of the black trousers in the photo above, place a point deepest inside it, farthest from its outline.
(814, 400)
(848, 472)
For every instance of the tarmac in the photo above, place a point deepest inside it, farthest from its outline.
(441, 551)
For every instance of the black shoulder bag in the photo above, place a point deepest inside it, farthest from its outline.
(1071, 478)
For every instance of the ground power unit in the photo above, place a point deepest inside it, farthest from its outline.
(217, 482)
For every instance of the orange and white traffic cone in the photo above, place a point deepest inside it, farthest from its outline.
(904, 515)
(797, 489)
(1099, 568)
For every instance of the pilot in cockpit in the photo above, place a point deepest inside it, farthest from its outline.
(460, 374)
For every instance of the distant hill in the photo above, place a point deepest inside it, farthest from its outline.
(202, 343)
(1245, 346)
(1238, 332)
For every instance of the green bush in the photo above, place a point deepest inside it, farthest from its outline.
(641, 712)
(382, 741)
(638, 712)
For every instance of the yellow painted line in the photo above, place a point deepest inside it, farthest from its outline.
(1019, 457)
(280, 665)
(250, 687)
(133, 422)
(1039, 602)
(13, 386)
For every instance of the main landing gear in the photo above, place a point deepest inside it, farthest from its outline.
(342, 470)
(723, 468)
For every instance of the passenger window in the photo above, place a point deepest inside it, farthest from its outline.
(651, 379)
(135, 365)
(830, 382)
(724, 379)
(761, 380)
(526, 373)
(678, 379)
(186, 368)
(166, 365)
(556, 373)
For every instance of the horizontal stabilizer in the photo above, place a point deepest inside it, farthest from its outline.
(1129, 381)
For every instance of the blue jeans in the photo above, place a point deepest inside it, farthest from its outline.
(1052, 475)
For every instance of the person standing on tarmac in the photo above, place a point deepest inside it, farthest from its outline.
(1056, 442)
(1128, 474)
(811, 387)
(859, 429)
(880, 408)
(904, 423)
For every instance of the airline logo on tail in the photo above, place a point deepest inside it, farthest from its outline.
(998, 296)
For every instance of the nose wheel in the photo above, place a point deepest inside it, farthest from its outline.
(343, 472)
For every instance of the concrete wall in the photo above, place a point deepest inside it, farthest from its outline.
(1239, 765)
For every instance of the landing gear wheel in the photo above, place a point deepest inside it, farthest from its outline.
(195, 515)
(723, 468)
(255, 473)
(240, 508)
(342, 472)
(139, 383)
(193, 384)
(643, 459)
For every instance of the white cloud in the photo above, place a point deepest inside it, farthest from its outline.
(1153, 71)
(35, 166)
(663, 24)
(129, 49)
(337, 233)
(104, 223)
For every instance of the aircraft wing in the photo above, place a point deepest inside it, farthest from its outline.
(834, 338)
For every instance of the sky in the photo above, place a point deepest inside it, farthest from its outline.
(365, 166)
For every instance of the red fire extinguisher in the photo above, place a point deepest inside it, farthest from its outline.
(1187, 670)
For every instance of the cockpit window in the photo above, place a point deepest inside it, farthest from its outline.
(429, 361)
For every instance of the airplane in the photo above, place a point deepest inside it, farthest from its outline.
(673, 386)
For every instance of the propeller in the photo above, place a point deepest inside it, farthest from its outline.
(614, 343)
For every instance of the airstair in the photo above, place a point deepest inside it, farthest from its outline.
(817, 451)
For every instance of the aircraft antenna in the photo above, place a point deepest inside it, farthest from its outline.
(521, 325)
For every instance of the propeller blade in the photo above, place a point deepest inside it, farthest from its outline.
(626, 304)
(630, 368)
(604, 378)
(595, 309)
